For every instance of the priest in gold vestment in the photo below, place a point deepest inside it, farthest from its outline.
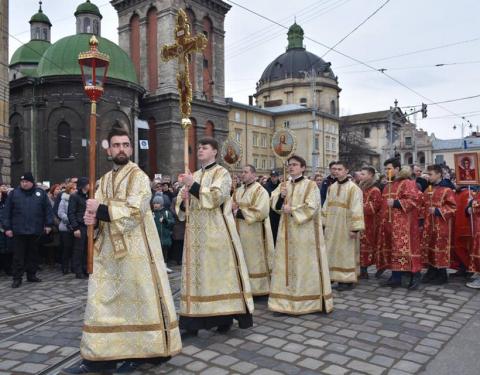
(130, 315)
(215, 284)
(343, 220)
(251, 207)
(300, 279)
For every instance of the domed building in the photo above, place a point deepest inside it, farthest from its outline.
(297, 90)
(49, 111)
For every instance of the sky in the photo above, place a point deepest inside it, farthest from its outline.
(446, 32)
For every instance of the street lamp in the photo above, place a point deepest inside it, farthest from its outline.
(94, 66)
(463, 127)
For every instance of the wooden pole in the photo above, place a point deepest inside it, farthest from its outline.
(285, 220)
(91, 179)
(187, 215)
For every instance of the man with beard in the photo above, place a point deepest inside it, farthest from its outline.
(130, 315)
(215, 283)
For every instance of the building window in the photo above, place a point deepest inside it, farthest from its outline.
(303, 102)
(95, 27)
(408, 141)
(286, 124)
(327, 143)
(333, 107)
(238, 135)
(272, 163)
(205, 63)
(421, 157)
(64, 141)
(439, 159)
(17, 143)
(45, 34)
(263, 140)
(237, 116)
(255, 162)
(334, 144)
(255, 139)
(86, 25)
(264, 162)
(366, 132)
(317, 143)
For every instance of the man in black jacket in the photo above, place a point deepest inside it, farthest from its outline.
(28, 214)
(270, 186)
(76, 211)
(329, 180)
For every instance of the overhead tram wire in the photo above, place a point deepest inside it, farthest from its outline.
(441, 65)
(445, 101)
(356, 28)
(266, 38)
(415, 52)
(351, 58)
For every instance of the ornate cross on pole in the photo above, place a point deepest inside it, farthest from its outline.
(184, 45)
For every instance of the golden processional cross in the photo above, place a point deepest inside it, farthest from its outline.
(185, 45)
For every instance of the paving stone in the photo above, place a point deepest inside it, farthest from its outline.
(313, 352)
(433, 343)
(287, 357)
(336, 358)
(316, 343)
(337, 348)
(26, 347)
(268, 351)
(215, 371)
(381, 360)
(8, 364)
(231, 342)
(256, 337)
(417, 357)
(29, 368)
(224, 360)
(179, 360)
(426, 350)
(310, 363)
(275, 342)
(357, 353)
(334, 370)
(206, 355)
(265, 371)
(294, 347)
(368, 337)
(347, 333)
(366, 367)
(244, 367)
(196, 366)
(407, 366)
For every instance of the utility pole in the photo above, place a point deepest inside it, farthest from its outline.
(390, 120)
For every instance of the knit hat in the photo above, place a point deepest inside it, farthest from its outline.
(28, 176)
(157, 199)
(82, 182)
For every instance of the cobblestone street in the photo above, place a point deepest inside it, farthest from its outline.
(373, 330)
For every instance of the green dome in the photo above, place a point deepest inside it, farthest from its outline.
(30, 53)
(40, 17)
(88, 7)
(295, 36)
(62, 58)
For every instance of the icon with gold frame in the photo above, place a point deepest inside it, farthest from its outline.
(231, 152)
(284, 143)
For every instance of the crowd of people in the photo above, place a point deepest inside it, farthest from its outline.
(237, 237)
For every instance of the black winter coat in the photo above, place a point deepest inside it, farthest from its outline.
(76, 209)
(27, 212)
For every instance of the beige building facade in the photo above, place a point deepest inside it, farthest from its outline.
(298, 91)
(444, 150)
(4, 96)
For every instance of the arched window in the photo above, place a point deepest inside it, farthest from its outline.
(408, 159)
(45, 33)
(95, 27)
(17, 149)
(333, 107)
(86, 25)
(64, 140)
(209, 128)
(37, 32)
(421, 157)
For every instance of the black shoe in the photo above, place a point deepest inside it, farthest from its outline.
(415, 281)
(430, 275)
(342, 287)
(128, 366)
(442, 277)
(16, 283)
(89, 368)
(224, 328)
(80, 276)
(33, 279)
(392, 283)
(65, 270)
(363, 275)
(189, 333)
(379, 273)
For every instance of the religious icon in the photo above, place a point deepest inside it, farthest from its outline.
(231, 152)
(466, 168)
(283, 143)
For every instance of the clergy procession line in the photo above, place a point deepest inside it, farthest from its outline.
(241, 242)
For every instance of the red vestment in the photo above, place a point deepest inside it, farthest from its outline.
(474, 265)
(372, 201)
(462, 233)
(437, 239)
(399, 239)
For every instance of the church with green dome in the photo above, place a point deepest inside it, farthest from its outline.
(49, 111)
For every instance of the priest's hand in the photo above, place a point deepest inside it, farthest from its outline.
(353, 235)
(431, 210)
(185, 194)
(390, 202)
(92, 206)
(287, 209)
(469, 210)
(234, 206)
(283, 191)
(89, 219)
(187, 178)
